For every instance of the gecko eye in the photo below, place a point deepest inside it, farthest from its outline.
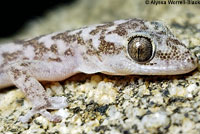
(140, 49)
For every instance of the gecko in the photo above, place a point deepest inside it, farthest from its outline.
(121, 47)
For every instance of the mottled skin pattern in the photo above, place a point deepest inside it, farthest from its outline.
(97, 48)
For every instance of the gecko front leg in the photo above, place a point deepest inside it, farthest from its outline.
(24, 76)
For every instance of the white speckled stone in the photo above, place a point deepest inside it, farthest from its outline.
(155, 120)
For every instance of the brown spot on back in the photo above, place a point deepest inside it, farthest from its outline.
(11, 56)
(54, 49)
(121, 29)
(55, 59)
(108, 47)
(25, 64)
(39, 48)
(16, 73)
(66, 37)
(69, 52)
(91, 50)
(80, 39)
(101, 28)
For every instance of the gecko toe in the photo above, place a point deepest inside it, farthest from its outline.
(50, 117)
(23, 119)
(57, 102)
(56, 118)
(27, 116)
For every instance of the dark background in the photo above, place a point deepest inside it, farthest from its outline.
(14, 14)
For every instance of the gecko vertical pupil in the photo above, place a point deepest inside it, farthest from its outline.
(140, 49)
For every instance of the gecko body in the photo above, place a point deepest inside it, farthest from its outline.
(122, 47)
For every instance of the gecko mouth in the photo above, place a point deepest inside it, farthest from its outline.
(182, 67)
(172, 67)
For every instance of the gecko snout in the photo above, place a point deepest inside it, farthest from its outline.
(185, 60)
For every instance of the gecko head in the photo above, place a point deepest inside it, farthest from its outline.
(155, 51)
(151, 49)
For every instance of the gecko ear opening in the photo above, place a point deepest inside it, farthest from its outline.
(141, 49)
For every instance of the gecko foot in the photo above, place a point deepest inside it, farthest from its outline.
(50, 117)
(27, 117)
(43, 112)
(57, 102)
(54, 103)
